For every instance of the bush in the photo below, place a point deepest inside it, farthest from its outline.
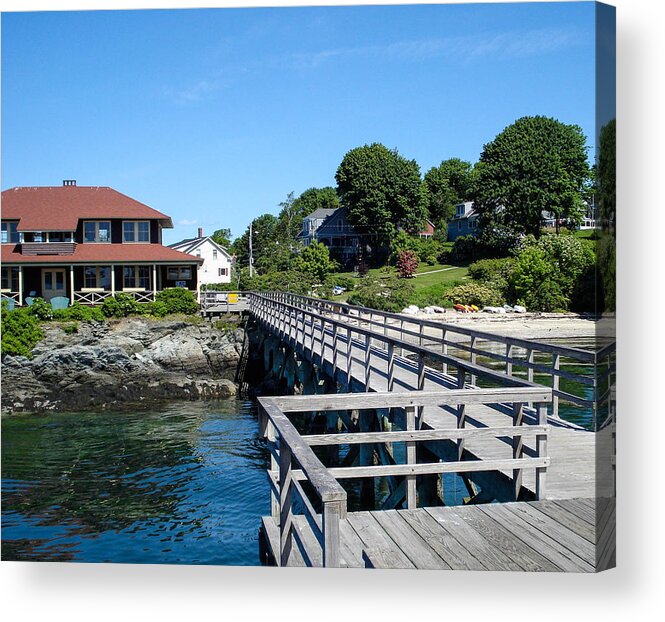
(407, 264)
(464, 248)
(121, 305)
(20, 332)
(475, 294)
(41, 309)
(71, 328)
(427, 250)
(434, 295)
(79, 312)
(175, 300)
(384, 294)
(346, 282)
(494, 273)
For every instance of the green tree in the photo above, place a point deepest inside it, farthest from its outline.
(536, 164)
(293, 210)
(381, 190)
(222, 237)
(607, 174)
(265, 243)
(314, 261)
(448, 184)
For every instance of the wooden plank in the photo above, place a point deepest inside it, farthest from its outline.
(351, 546)
(374, 538)
(440, 540)
(567, 519)
(491, 557)
(310, 547)
(547, 547)
(271, 531)
(408, 540)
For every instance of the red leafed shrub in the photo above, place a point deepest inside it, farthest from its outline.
(407, 264)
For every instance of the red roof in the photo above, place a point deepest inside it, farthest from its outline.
(102, 253)
(59, 208)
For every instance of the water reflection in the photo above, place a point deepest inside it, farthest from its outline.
(184, 485)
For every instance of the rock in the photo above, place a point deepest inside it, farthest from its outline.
(411, 310)
(519, 309)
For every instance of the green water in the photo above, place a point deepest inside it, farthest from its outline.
(184, 484)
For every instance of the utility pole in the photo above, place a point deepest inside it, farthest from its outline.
(251, 257)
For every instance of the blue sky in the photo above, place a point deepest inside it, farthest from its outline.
(214, 115)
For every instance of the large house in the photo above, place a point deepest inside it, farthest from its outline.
(217, 262)
(345, 241)
(86, 243)
(464, 222)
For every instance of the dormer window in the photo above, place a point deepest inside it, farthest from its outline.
(135, 231)
(460, 210)
(60, 236)
(10, 235)
(98, 232)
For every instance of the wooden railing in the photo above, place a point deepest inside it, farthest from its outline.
(11, 296)
(91, 298)
(214, 298)
(288, 447)
(516, 355)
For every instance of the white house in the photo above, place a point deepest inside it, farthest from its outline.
(217, 262)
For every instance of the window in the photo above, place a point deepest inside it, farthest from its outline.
(198, 252)
(9, 233)
(222, 271)
(214, 254)
(97, 231)
(135, 231)
(178, 273)
(10, 279)
(136, 277)
(60, 236)
(460, 210)
(96, 277)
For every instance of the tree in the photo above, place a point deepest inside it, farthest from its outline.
(607, 174)
(448, 184)
(222, 237)
(407, 264)
(314, 261)
(381, 190)
(293, 210)
(265, 243)
(536, 164)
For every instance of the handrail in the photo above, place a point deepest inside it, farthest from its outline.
(287, 444)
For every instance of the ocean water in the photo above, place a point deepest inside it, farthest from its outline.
(182, 484)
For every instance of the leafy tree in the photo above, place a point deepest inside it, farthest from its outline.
(293, 210)
(407, 264)
(222, 237)
(607, 174)
(314, 261)
(265, 242)
(382, 191)
(448, 184)
(536, 164)
(384, 294)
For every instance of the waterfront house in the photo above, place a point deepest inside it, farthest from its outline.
(345, 241)
(86, 243)
(465, 221)
(217, 262)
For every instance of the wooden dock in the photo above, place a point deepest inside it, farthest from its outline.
(492, 427)
(572, 535)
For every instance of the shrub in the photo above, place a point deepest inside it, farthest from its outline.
(475, 294)
(120, 305)
(175, 300)
(384, 294)
(464, 248)
(41, 309)
(20, 332)
(70, 329)
(346, 282)
(407, 264)
(434, 295)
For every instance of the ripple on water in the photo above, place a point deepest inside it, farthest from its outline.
(182, 485)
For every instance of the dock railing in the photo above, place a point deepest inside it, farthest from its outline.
(287, 446)
(215, 299)
(516, 356)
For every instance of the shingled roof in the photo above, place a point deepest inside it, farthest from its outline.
(59, 208)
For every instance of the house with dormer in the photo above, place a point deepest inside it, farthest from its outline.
(87, 243)
(218, 263)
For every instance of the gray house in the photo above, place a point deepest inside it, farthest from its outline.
(465, 221)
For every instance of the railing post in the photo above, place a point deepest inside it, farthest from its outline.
(473, 358)
(461, 414)
(332, 512)
(274, 469)
(334, 348)
(509, 363)
(541, 452)
(349, 357)
(421, 384)
(518, 447)
(556, 363)
(391, 365)
(411, 492)
(444, 351)
(285, 511)
(368, 354)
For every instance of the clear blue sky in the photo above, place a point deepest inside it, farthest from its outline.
(213, 116)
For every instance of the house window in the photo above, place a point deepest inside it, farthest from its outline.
(60, 236)
(214, 254)
(460, 210)
(179, 273)
(198, 252)
(97, 277)
(9, 233)
(222, 271)
(136, 277)
(10, 279)
(135, 231)
(97, 232)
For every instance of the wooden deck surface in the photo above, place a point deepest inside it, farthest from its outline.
(572, 535)
(580, 460)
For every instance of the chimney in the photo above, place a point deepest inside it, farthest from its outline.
(68, 182)
(200, 232)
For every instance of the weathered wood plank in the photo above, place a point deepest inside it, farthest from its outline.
(374, 537)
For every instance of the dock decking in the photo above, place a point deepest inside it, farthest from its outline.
(572, 535)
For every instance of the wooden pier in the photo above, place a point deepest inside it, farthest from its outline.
(453, 415)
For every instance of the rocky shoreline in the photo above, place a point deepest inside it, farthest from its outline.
(123, 363)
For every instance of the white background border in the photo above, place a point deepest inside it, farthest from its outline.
(100, 592)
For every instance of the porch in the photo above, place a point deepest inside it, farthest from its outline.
(92, 284)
